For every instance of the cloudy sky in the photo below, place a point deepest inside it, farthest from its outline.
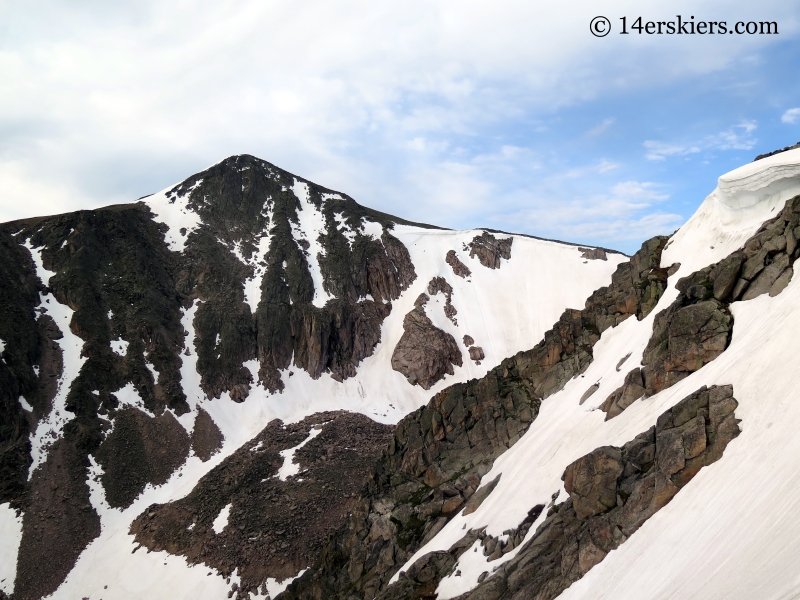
(504, 114)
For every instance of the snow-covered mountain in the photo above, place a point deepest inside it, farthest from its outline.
(249, 385)
(661, 463)
(195, 387)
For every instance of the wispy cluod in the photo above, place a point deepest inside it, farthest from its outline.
(791, 116)
(601, 128)
(737, 137)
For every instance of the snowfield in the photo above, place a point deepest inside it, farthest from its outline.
(505, 310)
(733, 531)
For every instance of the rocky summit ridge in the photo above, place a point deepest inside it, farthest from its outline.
(250, 386)
(202, 380)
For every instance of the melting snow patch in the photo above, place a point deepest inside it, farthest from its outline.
(289, 467)
(372, 229)
(221, 522)
(50, 428)
(11, 534)
(176, 214)
(311, 224)
(128, 396)
(24, 403)
(2, 346)
(120, 347)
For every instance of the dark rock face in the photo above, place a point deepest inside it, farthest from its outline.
(613, 491)
(206, 437)
(630, 391)
(468, 341)
(439, 453)
(239, 200)
(593, 253)
(424, 353)
(59, 520)
(114, 269)
(459, 268)
(439, 285)
(275, 528)
(26, 341)
(774, 152)
(140, 449)
(490, 250)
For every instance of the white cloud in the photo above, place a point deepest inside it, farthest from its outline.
(661, 151)
(735, 138)
(103, 103)
(791, 116)
(601, 128)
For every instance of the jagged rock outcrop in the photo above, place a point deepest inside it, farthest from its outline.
(490, 250)
(276, 527)
(439, 453)
(459, 268)
(243, 200)
(593, 253)
(425, 353)
(439, 285)
(468, 341)
(630, 391)
(613, 491)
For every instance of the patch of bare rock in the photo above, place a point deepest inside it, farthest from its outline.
(425, 353)
(490, 250)
(459, 268)
(612, 492)
(275, 528)
(593, 253)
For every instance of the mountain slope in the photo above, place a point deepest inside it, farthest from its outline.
(148, 349)
(665, 469)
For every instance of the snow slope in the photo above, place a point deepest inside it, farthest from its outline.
(733, 531)
(505, 310)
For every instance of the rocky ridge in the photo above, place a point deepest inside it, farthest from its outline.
(439, 454)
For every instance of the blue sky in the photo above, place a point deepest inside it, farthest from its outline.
(464, 114)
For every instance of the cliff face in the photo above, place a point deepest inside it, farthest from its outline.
(151, 346)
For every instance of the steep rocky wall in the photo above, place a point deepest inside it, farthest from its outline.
(697, 327)
(612, 492)
(128, 291)
(439, 453)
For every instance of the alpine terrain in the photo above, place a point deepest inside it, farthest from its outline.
(250, 386)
